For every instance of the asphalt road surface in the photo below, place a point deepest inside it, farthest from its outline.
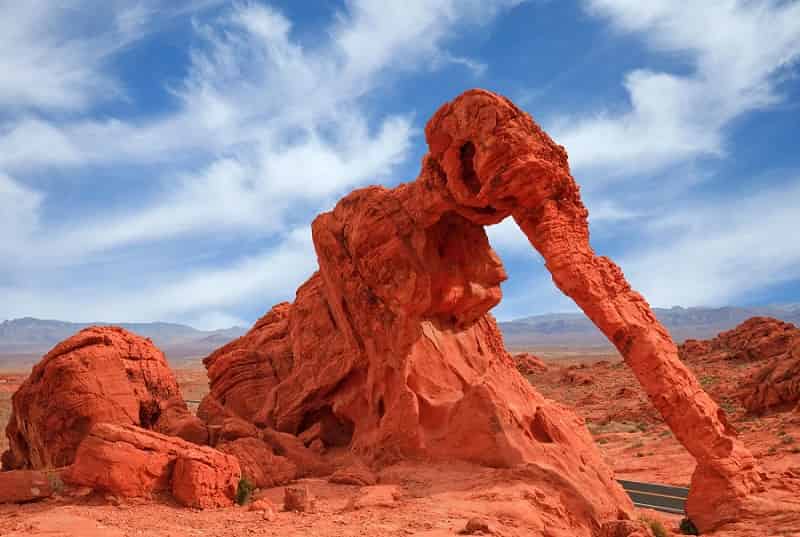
(659, 497)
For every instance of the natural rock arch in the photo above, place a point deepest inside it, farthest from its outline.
(393, 336)
(516, 169)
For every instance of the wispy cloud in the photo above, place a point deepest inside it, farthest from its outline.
(672, 117)
(270, 130)
(718, 251)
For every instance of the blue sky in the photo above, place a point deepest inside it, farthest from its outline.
(163, 160)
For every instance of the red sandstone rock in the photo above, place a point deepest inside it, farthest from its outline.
(357, 473)
(248, 366)
(389, 347)
(577, 378)
(258, 463)
(177, 420)
(756, 339)
(307, 462)
(297, 499)
(476, 526)
(775, 386)
(760, 340)
(205, 480)
(266, 507)
(625, 528)
(129, 461)
(528, 364)
(17, 486)
(101, 374)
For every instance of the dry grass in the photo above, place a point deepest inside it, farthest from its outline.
(5, 413)
(617, 427)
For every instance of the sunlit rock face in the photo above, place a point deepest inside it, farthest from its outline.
(389, 348)
(101, 374)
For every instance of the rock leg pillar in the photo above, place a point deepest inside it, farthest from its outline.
(726, 471)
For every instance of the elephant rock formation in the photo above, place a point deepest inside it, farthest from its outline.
(389, 348)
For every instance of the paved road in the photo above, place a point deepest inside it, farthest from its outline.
(659, 497)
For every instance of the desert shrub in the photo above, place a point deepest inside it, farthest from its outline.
(787, 440)
(708, 380)
(56, 484)
(687, 527)
(244, 491)
(656, 527)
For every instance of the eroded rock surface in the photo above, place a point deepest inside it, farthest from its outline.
(773, 344)
(101, 374)
(259, 464)
(391, 349)
(128, 461)
(17, 486)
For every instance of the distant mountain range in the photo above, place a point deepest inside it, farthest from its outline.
(28, 337)
(23, 341)
(564, 329)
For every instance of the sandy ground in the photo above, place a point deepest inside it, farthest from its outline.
(428, 501)
(632, 437)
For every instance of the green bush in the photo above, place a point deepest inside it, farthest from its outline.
(687, 527)
(244, 491)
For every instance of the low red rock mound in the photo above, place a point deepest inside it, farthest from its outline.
(129, 461)
(101, 374)
(529, 364)
(769, 345)
(756, 339)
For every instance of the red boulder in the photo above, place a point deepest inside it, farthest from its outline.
(101, 374)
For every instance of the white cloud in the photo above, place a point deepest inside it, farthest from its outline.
(735, 50)
(267, 276)
(265, 132)
(53, 59)
(716, 252)
(216, 319)
(19, 216)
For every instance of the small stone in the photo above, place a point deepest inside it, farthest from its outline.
(357, 473)
(269, 512)
(297, 499)
(476, 525)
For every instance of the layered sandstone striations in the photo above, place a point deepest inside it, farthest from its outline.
(98, 375)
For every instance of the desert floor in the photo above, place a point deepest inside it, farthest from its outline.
(436, 499)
